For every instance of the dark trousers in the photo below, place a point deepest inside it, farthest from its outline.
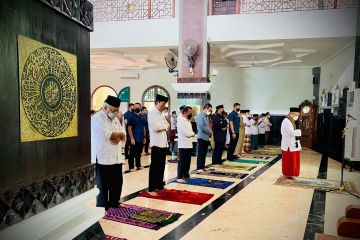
(184, 163)
(261, 139)
(157, 167)
(201, 153)
(109, 181)
(135, 154)
(267, 137)
(232, 146)
(146, 145)
(127, 147)
(218, 151)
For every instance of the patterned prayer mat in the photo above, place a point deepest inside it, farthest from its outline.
(259, 157)
(108, 237)
(182, 196)
(235, 167)
(126, 213)
(217, 173)
(320, 184)
(248, 161)
(204, 182)
(155, 217)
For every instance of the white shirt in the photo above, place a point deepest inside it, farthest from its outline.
(157, 121)
(254, 128)
(288, 133)
(268, 124)
(261, 126)
(173, 121)
(247, 122)
(185, 133)
(101, 148)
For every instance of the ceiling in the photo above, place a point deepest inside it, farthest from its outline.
(244, 54)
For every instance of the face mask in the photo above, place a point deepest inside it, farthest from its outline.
(208, 113)
(222, 112)
(189, 116)
(131, 110)
(238, 109)
(137, 110)
(296, 118)
(111, 115)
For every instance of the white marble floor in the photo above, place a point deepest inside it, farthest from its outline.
(261, 210)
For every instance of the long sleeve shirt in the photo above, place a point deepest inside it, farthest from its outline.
(102, 150)
(254, 127)
(203, 128)
(185, 133)
(156, 122)
(261, 126)
(288, 136)
(268, 124)
(248, 125)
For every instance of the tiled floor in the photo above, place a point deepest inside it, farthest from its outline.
(261, 210)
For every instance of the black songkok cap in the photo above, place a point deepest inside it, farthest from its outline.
(294, 109)
(220, 106)
(113, 101)
(161, 98)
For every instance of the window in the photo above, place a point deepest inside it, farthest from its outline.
(148, 98)
(124, 96)
(99, 95)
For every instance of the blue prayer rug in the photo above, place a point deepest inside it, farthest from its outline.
(204, 182)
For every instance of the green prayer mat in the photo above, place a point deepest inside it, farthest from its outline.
(315, 183)
(235, 167)
(240, 160)
(155, 217)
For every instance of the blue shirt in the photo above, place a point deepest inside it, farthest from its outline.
(137, 124)
(233, 116)
(203, 128)
(126, 117)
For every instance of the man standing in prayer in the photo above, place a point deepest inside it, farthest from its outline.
(158, 127)
(106, 153)
(267, 128)
(290, 146)
(185, 144)
(234, 126)
(240, 144)
(144, 114)
(127, 115)
(247, 138)
(173, 123)
(219, 125)
(203, 136)
(254, 132)
(137, 134)
(261, 127)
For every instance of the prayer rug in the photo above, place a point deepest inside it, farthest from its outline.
(320, 184)
(248, 161)
(259, 157)
(151, 216)
(235, 167)
(125, 213)
(204, 182)
(217, 173)
(108, 237)
(182, 196)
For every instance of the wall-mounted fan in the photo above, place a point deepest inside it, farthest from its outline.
(190, 49)
(171, 62)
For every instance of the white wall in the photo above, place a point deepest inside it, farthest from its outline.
(282, 25)
(334, 68)
(261, 90)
